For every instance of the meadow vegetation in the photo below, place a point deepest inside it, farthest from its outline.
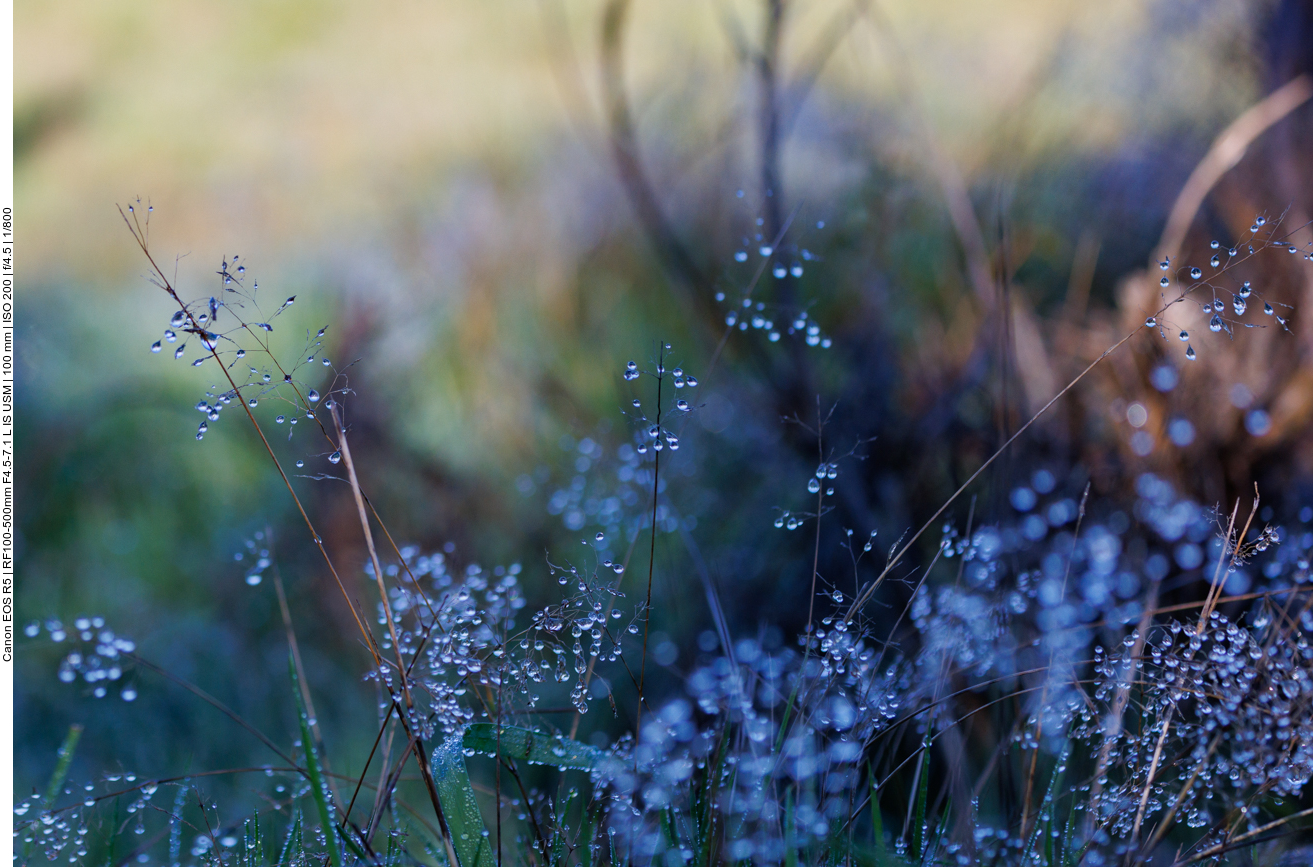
(888, 544)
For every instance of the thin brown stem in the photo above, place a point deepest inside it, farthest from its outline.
(651, 562)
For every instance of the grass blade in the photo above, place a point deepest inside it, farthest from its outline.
(63, 761)
(65, 755)
(468, 832)
(316, 775)
(293, 850)
(469, 836)
(922, 792)
(536, 748)
(877, 826)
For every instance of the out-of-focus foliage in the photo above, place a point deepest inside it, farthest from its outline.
(439, 185)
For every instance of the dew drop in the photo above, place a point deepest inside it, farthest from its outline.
(312, 396)
(1190, 353)
(335, 458)
(156, 346)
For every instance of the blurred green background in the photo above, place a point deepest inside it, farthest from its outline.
(438, 183)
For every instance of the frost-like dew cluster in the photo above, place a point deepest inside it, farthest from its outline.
(778, 736)
(99, 658)
(463, 629)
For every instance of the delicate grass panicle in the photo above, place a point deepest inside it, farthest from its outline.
(1033, 703)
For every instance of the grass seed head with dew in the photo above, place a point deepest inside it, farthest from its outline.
(784, 260)
(1229, 297)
